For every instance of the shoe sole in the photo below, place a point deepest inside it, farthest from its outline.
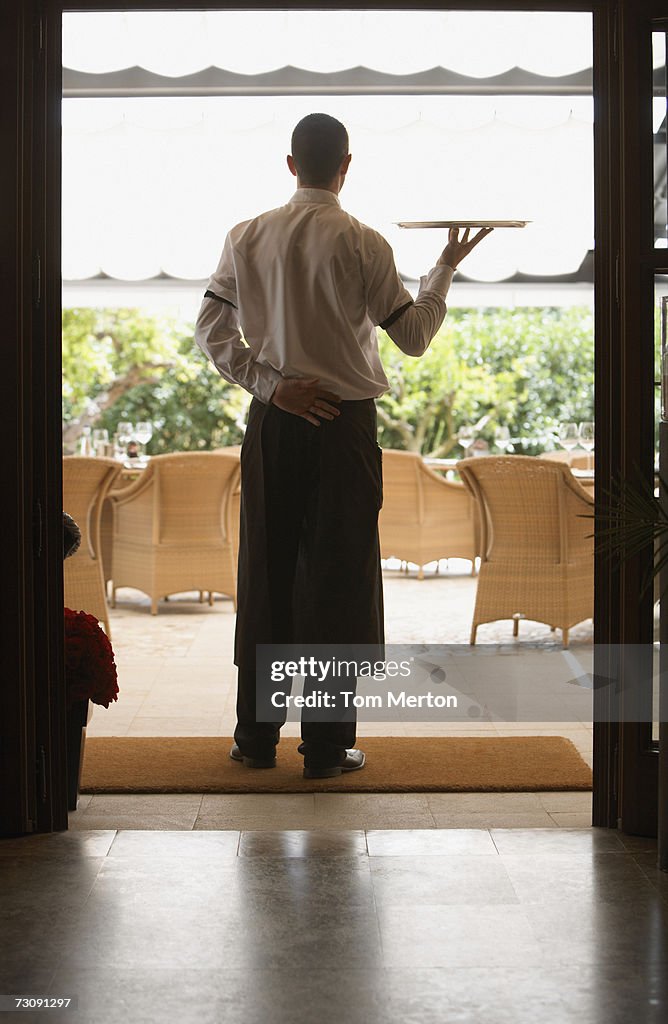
(330, 773)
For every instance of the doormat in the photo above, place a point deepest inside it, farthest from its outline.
(395, 764)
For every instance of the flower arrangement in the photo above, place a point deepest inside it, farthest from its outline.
(90, 669)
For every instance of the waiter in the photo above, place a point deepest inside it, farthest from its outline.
(307, 284)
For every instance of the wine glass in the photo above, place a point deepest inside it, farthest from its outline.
(503, 439)
(465, 437)
(124, 435)
(124, 431)
(100, 440)
(143, 434)
(569, 436)
(586, 436)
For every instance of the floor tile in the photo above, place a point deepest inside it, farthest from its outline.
(345, 881)
(144, 803)
(237, 822)
(649, 865)
(197, 996)
(589, 877)
(49, 845)
(396, 843)
(571, 819)
(157, 822)
(453, 879)
(443, 803)
(271, 805)
(562, 802)
(628, 932)
(494, 819)
(175, 844)
(302, 844)
(556, 842)
(392, 804)
(456, 936)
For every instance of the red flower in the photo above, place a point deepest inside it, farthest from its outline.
(90, 669)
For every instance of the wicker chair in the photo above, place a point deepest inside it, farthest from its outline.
(86, 482)
(537, 549)
(172, 527)
(424, 517)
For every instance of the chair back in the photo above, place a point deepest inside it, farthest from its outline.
(85, 485)
(414, 493)
(402, 495)
(192, 498)
(530, 508)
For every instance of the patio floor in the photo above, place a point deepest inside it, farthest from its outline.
(177, 678)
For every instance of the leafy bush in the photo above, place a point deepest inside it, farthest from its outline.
(119, 364)
(527, 369)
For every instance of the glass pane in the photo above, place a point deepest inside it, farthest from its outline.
(660, 147)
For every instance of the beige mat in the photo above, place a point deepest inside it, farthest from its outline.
(394, 765)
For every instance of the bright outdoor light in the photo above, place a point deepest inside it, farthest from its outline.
(398, 42)
(151, 185)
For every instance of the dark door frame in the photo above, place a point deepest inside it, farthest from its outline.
(32, 703)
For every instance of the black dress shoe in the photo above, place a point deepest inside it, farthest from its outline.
(252, 762)
(353, 762)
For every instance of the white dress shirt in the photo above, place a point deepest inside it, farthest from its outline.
(307, 284)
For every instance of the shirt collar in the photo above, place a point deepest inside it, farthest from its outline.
(315, 195)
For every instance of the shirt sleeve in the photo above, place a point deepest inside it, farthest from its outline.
(218, 334)
(223, 282)
(410, 324)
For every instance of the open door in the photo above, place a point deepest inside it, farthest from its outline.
(630, 267)
(32, 708)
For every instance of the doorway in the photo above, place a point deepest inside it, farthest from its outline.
(528, 297)
(607, 270)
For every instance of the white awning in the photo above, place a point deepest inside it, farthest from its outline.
(152, 185)
(479, 43)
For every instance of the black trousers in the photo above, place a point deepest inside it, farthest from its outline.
(309, 558)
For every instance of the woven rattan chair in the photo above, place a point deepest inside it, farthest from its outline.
(537, 548)
(172, 527)
(86, 482)
(424, 517)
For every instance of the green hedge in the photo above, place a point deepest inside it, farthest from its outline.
(527, 369)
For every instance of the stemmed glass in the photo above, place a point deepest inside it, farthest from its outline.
(143, 434)
(569, 436)
(503, 439)
(100, 440)
(465, 437)
(586, 438)
(124, 435)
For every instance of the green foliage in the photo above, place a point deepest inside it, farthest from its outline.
(122, 365)
(527, 369)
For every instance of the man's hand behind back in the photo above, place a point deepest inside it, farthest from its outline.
(455, 251)
(303, 396)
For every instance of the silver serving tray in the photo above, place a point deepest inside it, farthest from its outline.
(462, 223)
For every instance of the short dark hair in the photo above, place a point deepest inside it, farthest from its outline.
(319, 144)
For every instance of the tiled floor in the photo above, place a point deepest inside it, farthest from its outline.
(331, 811)
(396, 926)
